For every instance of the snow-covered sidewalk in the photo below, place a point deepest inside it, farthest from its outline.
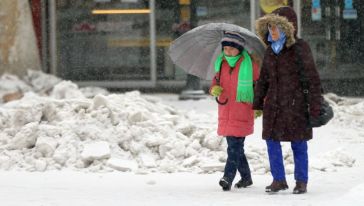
(70, 188)
(61, 145)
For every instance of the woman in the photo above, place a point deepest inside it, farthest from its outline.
(280, 95)
(233, 85)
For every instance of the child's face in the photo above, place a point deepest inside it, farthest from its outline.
(231, 51)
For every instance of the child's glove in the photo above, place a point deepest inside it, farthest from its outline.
(216, 90)
(257, 113)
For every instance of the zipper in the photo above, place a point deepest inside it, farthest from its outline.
(231, 70)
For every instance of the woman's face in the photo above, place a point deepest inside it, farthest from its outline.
(274, 31)
(231, 51)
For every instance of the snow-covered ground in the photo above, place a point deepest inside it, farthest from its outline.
(61, 145)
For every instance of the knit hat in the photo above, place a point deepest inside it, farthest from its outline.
(233, 39)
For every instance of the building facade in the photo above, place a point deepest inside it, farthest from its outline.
(124, 43)
(18, 49)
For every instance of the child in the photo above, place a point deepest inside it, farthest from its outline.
(233, 86)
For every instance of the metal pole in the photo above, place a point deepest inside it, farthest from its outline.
(297, 8)
(53, 37)
(44, 53)
(153, 50)
(252, 15)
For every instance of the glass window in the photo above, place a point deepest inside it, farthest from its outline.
(334, 34)
(106, 40)
(175, 17)
(94, 43)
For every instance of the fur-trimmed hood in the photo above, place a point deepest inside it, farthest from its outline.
(285, 17)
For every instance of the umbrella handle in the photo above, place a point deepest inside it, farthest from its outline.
(221, 103)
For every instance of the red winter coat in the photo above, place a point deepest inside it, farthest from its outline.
(235, 118)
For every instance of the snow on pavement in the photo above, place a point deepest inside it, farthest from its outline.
(62, 145)
(125, 132)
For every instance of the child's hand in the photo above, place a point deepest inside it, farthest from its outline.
(258, 113)
(216, 90)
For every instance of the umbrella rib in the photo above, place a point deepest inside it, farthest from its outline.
(186, 52)
(197, 62)
(205, 46)
(196, 50)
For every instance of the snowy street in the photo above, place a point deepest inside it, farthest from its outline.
(84, 146)
(77, 188)
(161, 103)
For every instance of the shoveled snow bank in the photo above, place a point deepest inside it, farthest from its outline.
(41, 84)
(349, 112)
(124, 132)
(103, 133)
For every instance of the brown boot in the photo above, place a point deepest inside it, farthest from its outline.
(277, 186)
(301, 187)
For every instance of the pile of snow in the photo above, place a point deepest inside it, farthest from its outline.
(329, 162)
(349, 112)
(124, 132)
(40, 83)
(35, 81)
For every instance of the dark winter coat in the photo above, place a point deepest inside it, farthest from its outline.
(278, 91)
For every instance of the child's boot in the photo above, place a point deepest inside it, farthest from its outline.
(225, 184)
(244, 183)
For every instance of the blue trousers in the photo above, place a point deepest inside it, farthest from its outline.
(300, 156)
(236, 160)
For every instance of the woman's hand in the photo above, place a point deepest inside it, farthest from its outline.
(257, 113)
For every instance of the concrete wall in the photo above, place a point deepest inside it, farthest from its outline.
(18, 48)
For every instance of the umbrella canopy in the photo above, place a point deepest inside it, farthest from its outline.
(196, 50)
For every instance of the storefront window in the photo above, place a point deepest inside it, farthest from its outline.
(175, 17)
(333, 30)
(95, 44)
(109, 40)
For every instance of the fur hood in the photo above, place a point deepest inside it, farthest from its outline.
(282, 17)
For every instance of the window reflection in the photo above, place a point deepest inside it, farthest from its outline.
(107, 40)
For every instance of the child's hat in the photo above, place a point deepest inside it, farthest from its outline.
(233, 39)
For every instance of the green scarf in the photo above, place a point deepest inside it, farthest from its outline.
(232, 60)
(244, 92)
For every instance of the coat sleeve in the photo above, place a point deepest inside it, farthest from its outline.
(313, 78)
(261, 87)
(255, 71)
